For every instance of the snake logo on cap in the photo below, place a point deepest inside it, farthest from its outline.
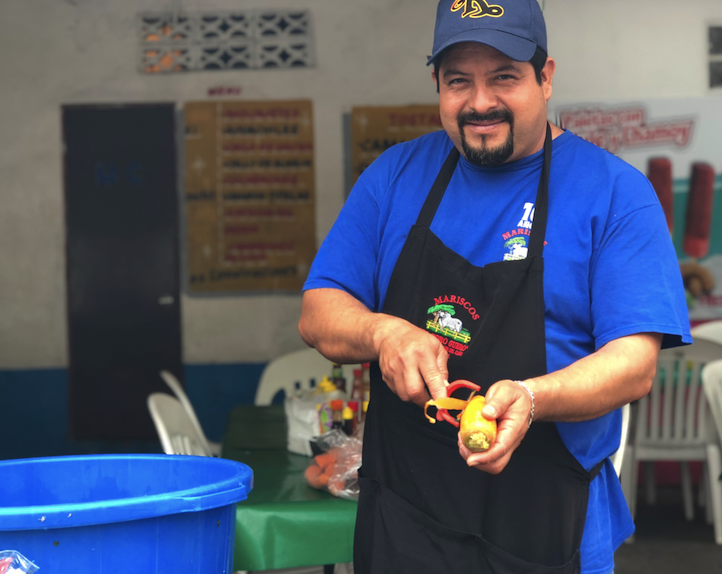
(479, 9)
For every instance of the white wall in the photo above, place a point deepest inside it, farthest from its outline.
(369, 52)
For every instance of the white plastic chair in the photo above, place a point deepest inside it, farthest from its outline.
(712, 382)
(295, 370)
(175, 386)
(673, 425)
(709, 331)
(177, 433)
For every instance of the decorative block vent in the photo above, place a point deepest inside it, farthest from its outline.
(253, 39)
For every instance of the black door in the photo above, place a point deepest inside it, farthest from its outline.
(122, 265)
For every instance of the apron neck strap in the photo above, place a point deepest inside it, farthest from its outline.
(541, 204)
(426, 216)
(538, 233)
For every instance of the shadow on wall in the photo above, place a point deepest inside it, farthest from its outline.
(34, 418)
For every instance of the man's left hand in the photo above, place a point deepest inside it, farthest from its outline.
(510, 404)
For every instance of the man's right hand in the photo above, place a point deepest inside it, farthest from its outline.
(342, 329)
(413, 362)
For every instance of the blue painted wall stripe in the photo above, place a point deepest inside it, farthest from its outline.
(34, 415)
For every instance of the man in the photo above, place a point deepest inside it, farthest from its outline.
(553, 259)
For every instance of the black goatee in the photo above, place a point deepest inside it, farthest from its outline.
(484, 156)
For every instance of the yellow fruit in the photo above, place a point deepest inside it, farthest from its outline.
(477, 433)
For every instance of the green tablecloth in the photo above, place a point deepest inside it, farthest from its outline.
(284, 523)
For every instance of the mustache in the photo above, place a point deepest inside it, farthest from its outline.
(492, 116)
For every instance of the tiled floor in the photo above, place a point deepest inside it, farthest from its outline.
(665, 543)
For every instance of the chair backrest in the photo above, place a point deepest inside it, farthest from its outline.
(180, 394)
(675, 412)
(295, 370)
(712, 382)
(177, 433)
(709, 331)
(618, 457)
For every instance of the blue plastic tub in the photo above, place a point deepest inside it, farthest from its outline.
(122, 513)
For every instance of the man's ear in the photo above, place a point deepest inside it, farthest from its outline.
(435, 79)
(547, 74)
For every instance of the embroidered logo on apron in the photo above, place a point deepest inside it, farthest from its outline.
(449, 328)
(516, 241)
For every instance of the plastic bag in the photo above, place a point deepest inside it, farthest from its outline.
(336, 468)
(12, 562)
(308, 415)
(302, 421)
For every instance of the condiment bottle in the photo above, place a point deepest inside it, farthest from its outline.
(337, 414)
(338, 378)
(357, 389)
(349, 421)
(366, 379)
(365, 408)
(325, 386)
(355, 407)
(325, 392)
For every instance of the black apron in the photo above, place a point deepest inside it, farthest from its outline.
(421, 508)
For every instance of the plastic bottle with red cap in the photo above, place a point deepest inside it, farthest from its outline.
(355, 407)
(337, 414)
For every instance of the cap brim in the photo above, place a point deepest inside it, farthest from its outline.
(516, 48)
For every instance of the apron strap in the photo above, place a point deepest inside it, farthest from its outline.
(596, 469)
(539, 227)
(426, 216)
(538, 233)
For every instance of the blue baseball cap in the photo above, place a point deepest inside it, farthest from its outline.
(514, 27)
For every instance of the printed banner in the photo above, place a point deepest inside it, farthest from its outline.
(375, 129)
(249, 195)
(677, 144)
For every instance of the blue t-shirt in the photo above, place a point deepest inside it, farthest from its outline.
(610, 267)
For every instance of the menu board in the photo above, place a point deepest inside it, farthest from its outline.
(375, 129)
(249, 195)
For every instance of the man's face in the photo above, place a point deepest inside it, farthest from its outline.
(492, 106)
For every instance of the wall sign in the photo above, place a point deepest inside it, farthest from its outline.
(249, 195)
(678, 146)
(375, 129)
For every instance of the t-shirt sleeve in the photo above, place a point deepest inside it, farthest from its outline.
(635, 279)
(347, 257)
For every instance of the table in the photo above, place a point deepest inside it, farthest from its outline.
(284, 523)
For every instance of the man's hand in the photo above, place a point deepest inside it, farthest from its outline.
(412, 360)
(510, 404)
(343, 330)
